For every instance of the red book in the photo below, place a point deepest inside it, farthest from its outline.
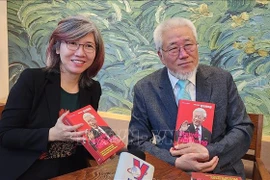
(206, 176)
(194, 122)
(102, 142)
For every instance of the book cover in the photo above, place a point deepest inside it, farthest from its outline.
(102, 142)
(131, 167)
(206, 176)
(194, 122)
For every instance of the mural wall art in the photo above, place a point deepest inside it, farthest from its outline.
(233, 35)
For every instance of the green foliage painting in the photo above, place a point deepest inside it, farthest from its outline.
(232, 34)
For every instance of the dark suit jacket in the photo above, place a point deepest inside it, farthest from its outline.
(97, 134)
(31, 110)
(206, 134)
(107, 129)
(155, 111)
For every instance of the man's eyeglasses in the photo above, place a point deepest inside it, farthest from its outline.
(198, 117)
(174, 51)
(73, 45)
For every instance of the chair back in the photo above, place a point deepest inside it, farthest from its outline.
(256, 141)
(258, 170)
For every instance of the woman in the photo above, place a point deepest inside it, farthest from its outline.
(34, 141)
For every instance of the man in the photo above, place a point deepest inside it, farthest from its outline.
(155, 108)
(99, 136)
(195, 130)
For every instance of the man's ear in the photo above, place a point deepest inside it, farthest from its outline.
(160, 55)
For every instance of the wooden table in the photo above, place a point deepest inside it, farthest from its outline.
(107, 170)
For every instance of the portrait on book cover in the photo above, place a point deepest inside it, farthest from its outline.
(99, 136)
(195, 129)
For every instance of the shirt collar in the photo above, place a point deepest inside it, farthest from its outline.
(197, 127)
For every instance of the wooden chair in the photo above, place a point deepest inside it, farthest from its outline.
(254, 154)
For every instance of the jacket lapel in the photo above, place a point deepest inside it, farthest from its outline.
(167, 97)
(203, 87)
(52, 93)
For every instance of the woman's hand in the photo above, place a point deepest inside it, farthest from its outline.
(62, 132)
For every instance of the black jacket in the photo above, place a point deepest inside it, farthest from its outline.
(31, 110)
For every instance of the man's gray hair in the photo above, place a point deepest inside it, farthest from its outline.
(202, 111)
(169, 24)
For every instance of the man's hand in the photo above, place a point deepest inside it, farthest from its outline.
(196, 162)
(186, 148)
(62, 132)
(184, 126)
(90, 134)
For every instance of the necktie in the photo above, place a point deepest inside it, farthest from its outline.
(182, 93)
(197, 133)
(98, 132)
(197, 130)
(103, 132)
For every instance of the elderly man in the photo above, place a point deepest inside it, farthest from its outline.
(99, 136)
(195, 131)
(155, 106)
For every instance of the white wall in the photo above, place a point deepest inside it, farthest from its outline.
(4, 86)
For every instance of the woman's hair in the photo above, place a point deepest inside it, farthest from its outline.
(72, 29)
(169, 24)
